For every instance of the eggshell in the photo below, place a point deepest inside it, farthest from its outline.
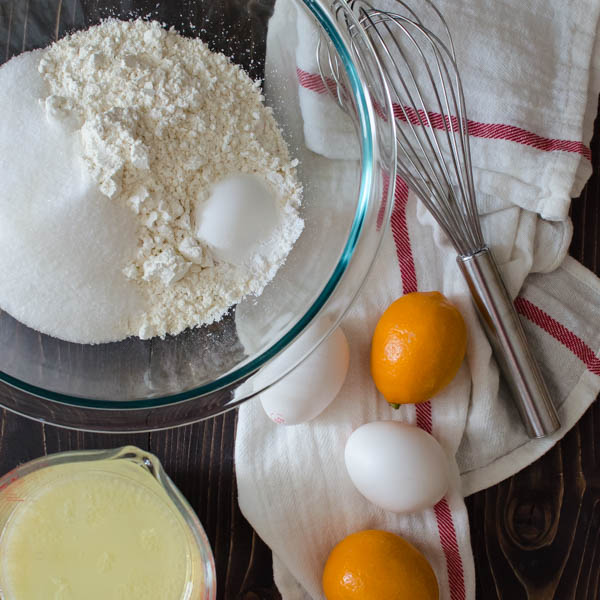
(397, 466)
(307, 390)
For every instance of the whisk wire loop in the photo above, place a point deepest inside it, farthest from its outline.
(432, 129)
(420, 162)
(445, 167)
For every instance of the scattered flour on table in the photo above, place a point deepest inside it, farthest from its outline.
(158, 121)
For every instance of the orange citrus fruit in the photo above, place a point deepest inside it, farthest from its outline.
(418, 346)
(378, 565)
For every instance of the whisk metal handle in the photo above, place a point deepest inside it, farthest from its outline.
(505, 332)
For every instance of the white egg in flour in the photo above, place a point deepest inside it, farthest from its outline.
(239, 214)
(307, 391)
(397, 466)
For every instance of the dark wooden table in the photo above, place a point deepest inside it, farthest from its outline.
(535, 535)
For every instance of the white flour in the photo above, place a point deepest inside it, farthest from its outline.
(160, 119)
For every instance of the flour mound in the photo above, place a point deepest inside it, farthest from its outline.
(161, 119)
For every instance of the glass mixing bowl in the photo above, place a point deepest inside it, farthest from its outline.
(157, 383)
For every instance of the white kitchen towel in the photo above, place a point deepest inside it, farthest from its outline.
(532, 80)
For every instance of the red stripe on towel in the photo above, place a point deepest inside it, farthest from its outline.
(424, 416)
(492, 131)
(402, 239)
(449, 542)
(559, 332)
(314, 82)
(443, 514)
(384, 196)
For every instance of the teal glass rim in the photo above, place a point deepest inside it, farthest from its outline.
(366, 118)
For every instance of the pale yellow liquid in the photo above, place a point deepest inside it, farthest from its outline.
(99, 534)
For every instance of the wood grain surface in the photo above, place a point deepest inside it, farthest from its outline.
(535, 535)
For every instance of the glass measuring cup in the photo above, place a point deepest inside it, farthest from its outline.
(130, 467)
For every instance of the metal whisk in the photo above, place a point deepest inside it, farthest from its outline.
(434, 159)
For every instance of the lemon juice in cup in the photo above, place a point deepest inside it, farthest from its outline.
(97, 525)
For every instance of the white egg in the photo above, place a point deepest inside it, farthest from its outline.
(307, 390)
(396, 466)
(240, 213)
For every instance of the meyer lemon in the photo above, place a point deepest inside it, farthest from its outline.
(378, 565)
(418, 346)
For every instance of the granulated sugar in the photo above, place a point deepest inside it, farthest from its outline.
(63, 245)
(158, 120)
